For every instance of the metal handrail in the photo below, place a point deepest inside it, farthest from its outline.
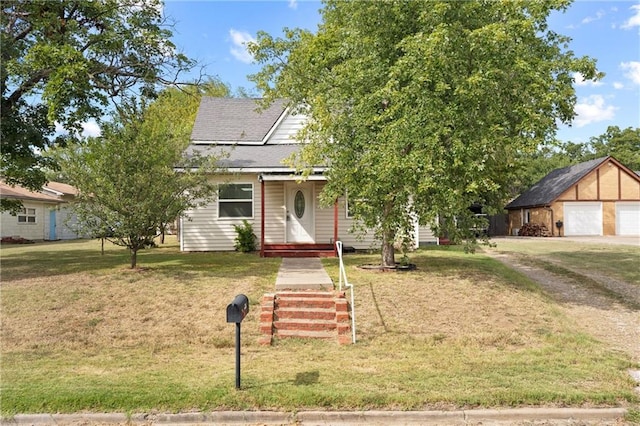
(343, 278)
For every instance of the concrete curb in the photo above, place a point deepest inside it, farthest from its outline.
(347, 418)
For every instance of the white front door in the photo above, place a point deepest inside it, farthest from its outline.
(299, 213)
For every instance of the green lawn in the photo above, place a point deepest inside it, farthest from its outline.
(82, 332)
(617, 261)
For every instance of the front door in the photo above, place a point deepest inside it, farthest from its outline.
(299, 213)
(52, 225)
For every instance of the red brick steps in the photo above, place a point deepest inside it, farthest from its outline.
(298, 250)
(305, 315)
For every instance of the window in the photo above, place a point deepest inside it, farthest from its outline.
(526, 218)
(350, 205)
(235, 200)
(27, 215)
(348, 208)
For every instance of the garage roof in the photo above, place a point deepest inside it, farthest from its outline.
(554, 184)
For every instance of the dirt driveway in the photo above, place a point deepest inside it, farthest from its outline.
(613, 239)
(611, 315)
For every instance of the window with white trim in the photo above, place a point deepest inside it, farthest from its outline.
(526, 217)
(27, 215)
(235, 200)
(348, 208)
(350, 205)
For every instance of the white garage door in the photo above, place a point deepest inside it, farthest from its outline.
(628, 218)
(583, 218)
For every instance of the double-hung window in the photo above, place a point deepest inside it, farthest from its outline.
(235, 200)
(27, 215)
(350, 206)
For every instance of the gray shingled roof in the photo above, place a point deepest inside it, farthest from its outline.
(554, 184)
(248, 156)
(234, 120)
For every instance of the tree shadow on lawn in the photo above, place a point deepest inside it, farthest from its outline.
(167, 261)
(454, 263)
(451, 262)
(305, 378)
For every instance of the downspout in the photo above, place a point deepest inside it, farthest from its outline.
(180, 234)
(261, 215)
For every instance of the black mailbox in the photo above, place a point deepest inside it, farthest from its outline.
(238, 309)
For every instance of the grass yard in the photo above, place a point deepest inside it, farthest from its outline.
(82, 332)
(617, 261)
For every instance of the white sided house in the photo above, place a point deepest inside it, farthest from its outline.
(45, 215)
(259, 187)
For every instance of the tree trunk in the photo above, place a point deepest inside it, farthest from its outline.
(134, 258)
(388, 251)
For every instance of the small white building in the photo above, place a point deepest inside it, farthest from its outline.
(45, 215)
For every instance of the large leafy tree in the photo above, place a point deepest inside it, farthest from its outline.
(63, 61)
(128, 182)
(624, 145)
(420, 107)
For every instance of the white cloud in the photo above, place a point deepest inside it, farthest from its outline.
(632, 71)
(293, 4)
(239, 40)
(634, 21)
(580, 81)
(589, 19)
(593, 109)
(618, 85)
(89, 129)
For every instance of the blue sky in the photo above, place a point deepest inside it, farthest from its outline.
(214, 33)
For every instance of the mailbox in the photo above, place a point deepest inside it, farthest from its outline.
(238, 309)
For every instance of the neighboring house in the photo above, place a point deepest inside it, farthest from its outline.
(597, 197)
(45, 215)
(260, 187)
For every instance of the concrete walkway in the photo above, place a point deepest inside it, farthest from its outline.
(302, 273)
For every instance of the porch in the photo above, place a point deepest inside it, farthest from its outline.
(291, 222)
(297, 250)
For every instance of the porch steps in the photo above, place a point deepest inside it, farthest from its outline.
(298, 250)
(305, 315)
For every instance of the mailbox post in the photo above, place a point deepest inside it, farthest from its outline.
(236, 311)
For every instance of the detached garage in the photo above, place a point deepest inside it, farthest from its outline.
(597, 197)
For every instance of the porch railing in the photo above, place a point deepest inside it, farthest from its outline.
(342, 280)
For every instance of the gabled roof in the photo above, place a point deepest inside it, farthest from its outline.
(554, 184)
(60, 188)
(235, 121)
(20, 193)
